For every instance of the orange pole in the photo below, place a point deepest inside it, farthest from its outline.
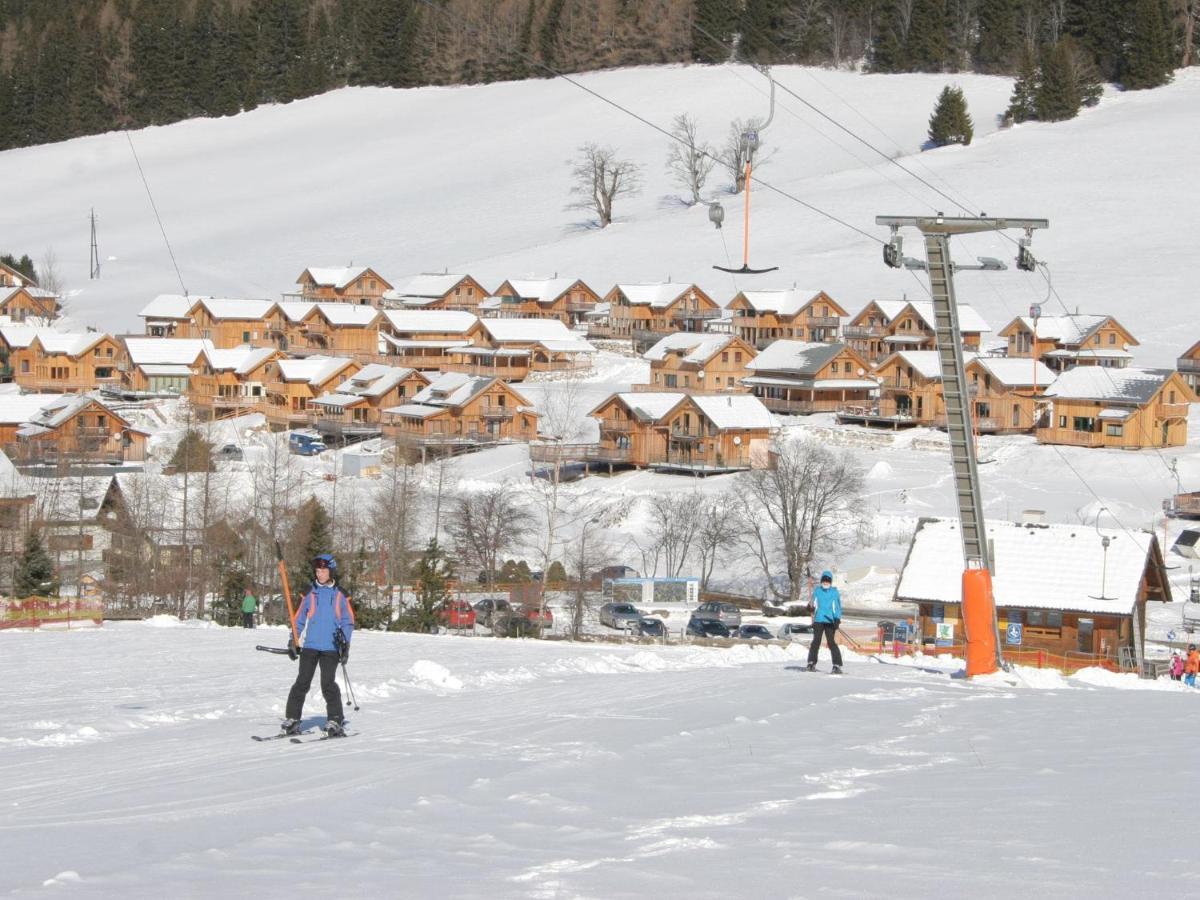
(979, 622)
(287, 595)
(746, 223)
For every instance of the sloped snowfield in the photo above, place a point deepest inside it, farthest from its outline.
(487, 768)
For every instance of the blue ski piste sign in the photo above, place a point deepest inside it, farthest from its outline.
(1014, 634)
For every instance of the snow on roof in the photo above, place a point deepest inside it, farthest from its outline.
(403, 344)
(417, 410)
(889, 308)
(70, 344)
(1071, 329)
(1037, 567)
(543, 290)
(316, 370)
(240, 359)
(55, 413)
(169, 306)
(339, 277)
(234, 308)
(796, 357)
(73, 499)
(295, 310)
(149, 350)
(373, 380)
(926, 362)
(650, 405)
(357, 315)
(735, 411)
(535, 331)
(21, 336)
(1128, 385)
(657, 294)
(339, 400)
(165, 369)
(428, 285)
(16, 409)
(1015, 372)
(785, 303)
(696, 347)
(37, 293)
(430, 321)
(452, 389)
(968, 319)
(12, 482)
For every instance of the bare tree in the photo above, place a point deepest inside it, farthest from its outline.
(598, 178)
(733, 156)
(808, 504)
(1187, 14)
(715, 530)
(673, 530)
(393, 515)
(485, 525)
(590, 549)
(688, 160)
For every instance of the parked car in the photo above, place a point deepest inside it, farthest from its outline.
(489, 608)
(457, 614)
(706, 628)
(719, 611)
(230, 451)
(789, 630)
(305, 444)
(620, 615)
(537, 616)
(755, 633)
(651, 627)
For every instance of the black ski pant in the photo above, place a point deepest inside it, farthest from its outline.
(829, 629)
(309, 660)
(247, 620)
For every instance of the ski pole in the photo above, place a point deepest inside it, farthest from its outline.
(282, 650)
(349, 689)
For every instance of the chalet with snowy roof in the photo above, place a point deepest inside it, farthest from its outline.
(29, 303)
(910, 392)
(68, 363)
(1004, 393)
(343, 284)
(1188, 366)
(647, 312)
(293, 384)
(436, 291)
(167, 315)
(344, 329)
(1079, 596)
(227, 322)
(761, 317)
(10, 277)
(78, 429)
(231, 381)
(801, 377)
(700, 363)
(697, 434)
(353, 410)
(77, 517)
(17, 409)
(565, 299)
(159, 367)
(458, 412)
(867, 328)
(422, 339)
(914, 327)
(1129, 408)
(1062, 342)
(512, 348)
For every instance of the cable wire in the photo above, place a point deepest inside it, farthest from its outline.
(154, 207)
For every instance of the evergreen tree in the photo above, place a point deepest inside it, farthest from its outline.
(951, 122)
(24, 265)
(548, 36)
(1057, 97)
(1149, 57)
(433, 573)
(999, 44)
(34, 575)
(888, 46)
(310, 537)
(1022, 106)
(926, 47)
(194, 453)
(557, 573)
(719, 18)
(760, 21)
(1100, 27)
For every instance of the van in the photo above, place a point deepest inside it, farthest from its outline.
(305, 444)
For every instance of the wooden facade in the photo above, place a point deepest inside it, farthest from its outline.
(437, 291)
(29, 303)
(1005, 392)
(699, 362)
(353, 410)
(1062, 342)
(565, 299)
(868, 327)
(293, 384)
(910, 393)
(423, 339)
(227, 323)
(67, 363)
(160, 367)
(1188, 365)
(338, 329)
(1127, 408)
(78, 429)
(799, 377)
(762, 317)
(359, 285)
(231, 382)
(647, 312)
(459, 412)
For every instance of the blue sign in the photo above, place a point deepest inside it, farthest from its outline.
(1015, 633)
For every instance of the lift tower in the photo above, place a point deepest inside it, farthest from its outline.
(936, 231)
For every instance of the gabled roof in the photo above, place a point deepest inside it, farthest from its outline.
(62, 410)
(78, 498)
(1128, 385)
(375, 380)
(452, 389)
(1061, 567)
(240, 360)
(795, 357)
(428, 285)
(968, 319)
(430, 321)
(1014, 372)
(647, 406)
(70, 344)
(738, 411)
(233, 308)
(351, 315)
(170, 351)
(784, 303)
(18, 408)
(926, 363)
(296, 310)
(21, 336)
(543, 290)
(888, 308)
(694, 347)
(1071, 330)
(316, 370)
(540, 331)
(337, 277)
(37, 293)
(169, 306)
(657, 295)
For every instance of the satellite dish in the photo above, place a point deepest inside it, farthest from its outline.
(737, 440)
(861, 371)
(700, 374)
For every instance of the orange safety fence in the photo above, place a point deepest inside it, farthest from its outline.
(33, 612)
(1068, 663)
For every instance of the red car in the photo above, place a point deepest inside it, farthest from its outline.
(537, 617)
(457, 614)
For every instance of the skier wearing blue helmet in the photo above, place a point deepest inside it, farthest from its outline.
(827, 616)
(326, 621)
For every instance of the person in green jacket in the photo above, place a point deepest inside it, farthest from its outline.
(249, 608)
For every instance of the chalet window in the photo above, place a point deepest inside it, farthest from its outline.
(1096, 339)
(669, 380)
(245, 337)
(101, 421)
(373, 284)
(1016, 418)
(25, 366)
(1112, 337)
(729, 381)
(1114, 430)
(725, 357)
(1084, 423)
(737, 357)
(1044, 621)
(1170, 396)
(1062, 421)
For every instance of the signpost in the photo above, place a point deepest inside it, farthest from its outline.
(1015, 632)
(945, 634)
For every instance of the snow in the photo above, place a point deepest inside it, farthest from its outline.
(234, 308)
(543, 331)
(316, 370)
(734, 411)
(656, 295)
(784, 303)
(1132, 385)
(170, 351)
(437, 321)
(338, 277)
(1015, 372)
(694, 348)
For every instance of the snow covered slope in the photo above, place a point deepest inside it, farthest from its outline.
(476, 178)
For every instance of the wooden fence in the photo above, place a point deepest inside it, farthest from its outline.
(34, 612)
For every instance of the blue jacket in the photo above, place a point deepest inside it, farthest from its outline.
(827, 603)
(324, 609)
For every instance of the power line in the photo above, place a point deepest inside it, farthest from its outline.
(157, 217)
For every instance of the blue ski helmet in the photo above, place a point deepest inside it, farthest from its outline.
(326, 560)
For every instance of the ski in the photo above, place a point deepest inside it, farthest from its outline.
(274, 737)
(324, 737)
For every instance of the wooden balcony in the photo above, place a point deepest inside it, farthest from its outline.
(565, 453)
(862, 331)
(686, 433)
(822, 321)
(693, 314)
(1187, 365)
(1070, 438)
(619, 426)
(490, 411)
(712, 464)
(1173, 410)
(882, 413)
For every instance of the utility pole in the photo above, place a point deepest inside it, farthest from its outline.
(94, 265)
(936, 231)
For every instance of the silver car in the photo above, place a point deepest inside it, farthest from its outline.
(620, 615)
(719, 611)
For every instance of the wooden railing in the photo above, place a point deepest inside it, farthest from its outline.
(1073, 438)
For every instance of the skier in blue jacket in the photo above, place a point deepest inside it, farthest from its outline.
(827, 616)
(326, 621)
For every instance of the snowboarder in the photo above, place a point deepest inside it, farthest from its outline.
(326, 610)
(1192, 666)
(827, 616)
(249, 608)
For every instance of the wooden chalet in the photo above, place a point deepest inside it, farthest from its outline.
(293, 384)
(909, 393)
(29, 303)
(458, 412)
(67, 363)
(16, 511)
(167, 315)
(422, 339)
(10, 277)
(913, 327)
(231, 381)
(703, 363)
(78, 429)
(75, 516)
(360, 285)
(512, 348)
(1129, 408)
(341, 329)
(159, 367)
(867, 328)
(1062, 342)
(14, 342)
(17, 409)
(227, 322)
(436, 291)
(646, 313)
(1188, 366)
(1004, 393)
(762, 317)
(353, 410)
(1076, 594)
(800, 377)
(567, 299)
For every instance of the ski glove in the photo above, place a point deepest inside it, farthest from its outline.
(344, 654)
(293, 653)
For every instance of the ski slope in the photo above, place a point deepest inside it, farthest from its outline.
(519, 769)
(476, 179)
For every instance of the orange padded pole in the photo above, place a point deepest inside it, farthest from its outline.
(979, 621)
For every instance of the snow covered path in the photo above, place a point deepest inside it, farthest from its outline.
(488, 768)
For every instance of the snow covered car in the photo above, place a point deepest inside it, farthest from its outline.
(620, 615)
(230, 451)
(755, 633)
